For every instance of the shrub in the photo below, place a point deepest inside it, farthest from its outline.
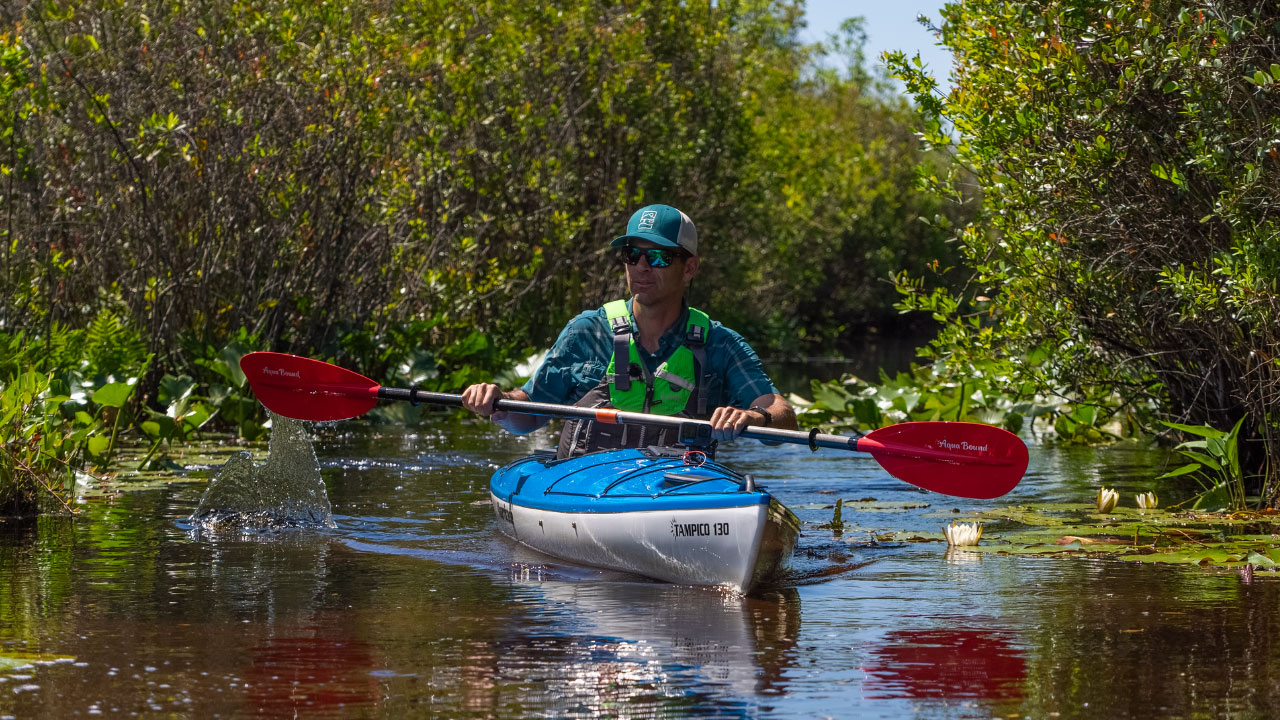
(1127, 153)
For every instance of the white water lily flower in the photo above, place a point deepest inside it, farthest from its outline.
(959, 534)
(1148, 501)
(1107, 499)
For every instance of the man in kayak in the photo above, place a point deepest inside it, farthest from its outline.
(651, 354)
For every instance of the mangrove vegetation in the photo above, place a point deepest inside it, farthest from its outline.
(423, 192)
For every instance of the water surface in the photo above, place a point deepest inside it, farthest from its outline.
(412, 605)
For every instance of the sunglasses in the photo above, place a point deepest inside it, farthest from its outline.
(657, 257)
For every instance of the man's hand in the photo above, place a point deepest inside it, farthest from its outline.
(481, 397)
(728, 423)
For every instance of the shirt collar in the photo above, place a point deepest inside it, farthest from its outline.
(671, 338)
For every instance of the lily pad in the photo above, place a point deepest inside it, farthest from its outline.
(1160, 536)
(867, 506)
(13, 661)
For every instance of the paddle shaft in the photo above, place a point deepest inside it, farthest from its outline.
(954, 458)
(689, 429)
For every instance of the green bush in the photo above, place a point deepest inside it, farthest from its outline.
(69, 399)
(312, 170)
(1127, 158)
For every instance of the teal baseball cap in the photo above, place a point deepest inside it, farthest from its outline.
(662, 225)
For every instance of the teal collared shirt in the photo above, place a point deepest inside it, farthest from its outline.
(577, 361)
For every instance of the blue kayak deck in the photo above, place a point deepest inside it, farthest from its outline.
(622, 481)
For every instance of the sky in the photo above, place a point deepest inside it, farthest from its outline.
(890, 25)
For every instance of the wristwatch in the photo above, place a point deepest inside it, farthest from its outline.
(768, 416)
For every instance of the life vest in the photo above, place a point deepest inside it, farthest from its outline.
(677, 388)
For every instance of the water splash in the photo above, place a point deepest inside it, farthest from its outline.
(284, 492)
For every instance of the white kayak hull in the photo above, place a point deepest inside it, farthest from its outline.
(737, 547)
(680, 536)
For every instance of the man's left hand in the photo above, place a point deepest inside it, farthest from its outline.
(728, 423)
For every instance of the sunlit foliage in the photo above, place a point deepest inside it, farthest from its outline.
(1127, 154)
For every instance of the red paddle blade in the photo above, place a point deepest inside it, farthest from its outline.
(954, 458)
(307, 389)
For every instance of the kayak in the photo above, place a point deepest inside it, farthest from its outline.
(657, 512)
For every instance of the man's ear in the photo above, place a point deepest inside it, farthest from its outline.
(691, 267)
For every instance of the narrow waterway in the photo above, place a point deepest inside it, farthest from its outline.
(412, 605)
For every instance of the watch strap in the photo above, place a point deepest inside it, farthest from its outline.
(768, 416)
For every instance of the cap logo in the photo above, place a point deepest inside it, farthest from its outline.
(647, 218)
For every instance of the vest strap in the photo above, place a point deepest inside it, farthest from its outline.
(695, 338)
(621, 325)
(704, 378)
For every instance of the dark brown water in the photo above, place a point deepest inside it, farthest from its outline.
(411, 605)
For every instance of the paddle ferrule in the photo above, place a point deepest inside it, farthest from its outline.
(415, 396)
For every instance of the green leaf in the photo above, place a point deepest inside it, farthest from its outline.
(98, 444)
(175, 389)
(197, 415)
(163, 424)
(231, 355)
(1184, 470)
(113, 394)
(1201, 430)
(1256, 558)
(1215, 498)
(830, 395)
(1203, 459)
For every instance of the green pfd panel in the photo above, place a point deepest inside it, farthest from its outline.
(667, 390)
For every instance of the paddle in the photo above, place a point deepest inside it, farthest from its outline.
(961, 459)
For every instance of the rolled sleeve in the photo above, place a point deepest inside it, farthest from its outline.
(745, 378)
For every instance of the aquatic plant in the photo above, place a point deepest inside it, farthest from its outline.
(1215, 465)
(1107, 499)
(982, 393)
(1206, 539)
(1147, 501)
(34, 458)
(963, 534)
(837, 521)
(63, 404)
(69, 397)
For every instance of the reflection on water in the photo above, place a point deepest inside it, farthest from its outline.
(412, 605)
(947, 663)
(666, 640)
(321, 671)
(892, 354)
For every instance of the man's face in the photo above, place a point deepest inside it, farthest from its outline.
(654, 286)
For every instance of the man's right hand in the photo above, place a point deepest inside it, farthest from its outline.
(480, 399)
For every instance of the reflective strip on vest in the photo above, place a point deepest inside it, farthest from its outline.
(675, 380)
